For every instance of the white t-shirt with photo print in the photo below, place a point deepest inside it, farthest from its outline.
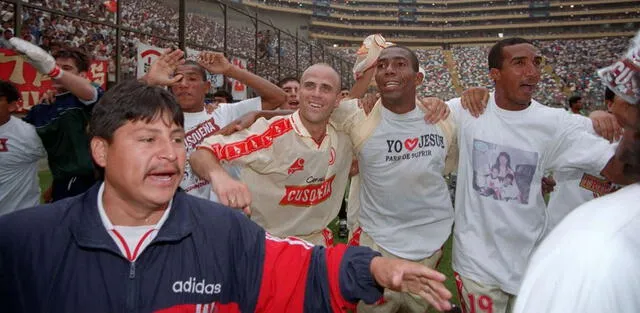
(201, 125)
(494, 236)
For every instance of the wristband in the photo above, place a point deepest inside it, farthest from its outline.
(56, 73)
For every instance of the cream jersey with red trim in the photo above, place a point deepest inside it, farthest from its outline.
(296, 184)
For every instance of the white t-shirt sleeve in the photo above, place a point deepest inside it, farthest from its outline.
(34, 150)
(576, 146)
(580, 272)
(229, 112)
(455, 105)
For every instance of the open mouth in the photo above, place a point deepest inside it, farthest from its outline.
(162, 177)
(294, 103)
(528, 87)
(315, 105)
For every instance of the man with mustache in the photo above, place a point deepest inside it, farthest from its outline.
(133, 243)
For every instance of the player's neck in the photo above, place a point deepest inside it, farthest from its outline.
(400, 105)
(5, 119)
(122, 212)
(503, 102)
(195, 109)
(316, 130)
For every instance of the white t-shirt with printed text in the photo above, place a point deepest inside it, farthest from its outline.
(494, 235)
(201, 125)
(20, 151)
(589, 263)
(403, 194)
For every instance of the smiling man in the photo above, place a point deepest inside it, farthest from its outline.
(494, 235)
(405, 211)
(133, 243)
(297, 165)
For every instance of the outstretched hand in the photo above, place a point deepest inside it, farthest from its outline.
(405, 276)
(162, 69)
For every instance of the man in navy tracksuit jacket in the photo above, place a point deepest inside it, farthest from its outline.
(133, 244)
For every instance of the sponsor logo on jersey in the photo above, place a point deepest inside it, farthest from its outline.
(192, 285)
(332, 156)
(298, 165)
(252, 144)
(195, 136)
(598, 186)
(307, 195)
(3, 145)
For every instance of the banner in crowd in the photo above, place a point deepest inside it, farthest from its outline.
(32, 85)
(146, 55)
(238, 89)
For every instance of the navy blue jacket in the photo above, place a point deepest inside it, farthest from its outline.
(205, 258)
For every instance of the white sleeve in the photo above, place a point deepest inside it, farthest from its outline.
(455, 105)
(576, 146)
(33, 147)
(228, 112)
(580, 272)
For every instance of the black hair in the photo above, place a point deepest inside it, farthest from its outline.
(609, 94)
(202, 70)
(573, 100)
(286, 80)
(78, 56)
(224, 94)
(9, 91)
(131, 101)
(495, 54)
(415, 63)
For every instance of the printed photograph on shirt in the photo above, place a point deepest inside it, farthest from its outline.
(503, 173)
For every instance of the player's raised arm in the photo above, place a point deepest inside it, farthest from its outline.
(216, 63)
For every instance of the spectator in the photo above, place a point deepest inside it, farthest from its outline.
(62, 124)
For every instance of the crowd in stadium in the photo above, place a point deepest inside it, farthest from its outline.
(331, 185)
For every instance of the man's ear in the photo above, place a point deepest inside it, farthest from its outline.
(494, 73)
(99, 151)
(83, 75)
(419, 79)
(13, 106)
